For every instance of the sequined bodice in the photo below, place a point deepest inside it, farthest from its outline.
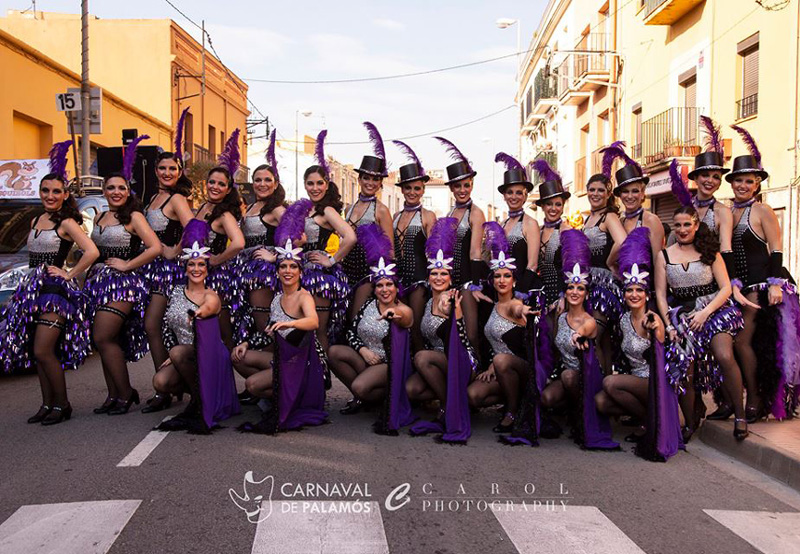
(316, 235)
(256, 232)
(218, 242)
(277, 314)
(114, 241)
(167, 230)
(750, 252)
(497, 326)
(634, 346)
(461, 268)
(372, 330)
(409, 249)
(366, 218)
(46, 247)
(569, 354)
(177, 316)
(550, 248)
(710, 219)
(429, 326)
(515, 234)
(598, 244)
(549, 267)
(692, 282)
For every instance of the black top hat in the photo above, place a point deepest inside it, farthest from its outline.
(551, 189)
(708, 161)
(746, 164)
(628, 174)
(515, 176)
(412, 172)
(459, 171)
(372, 165)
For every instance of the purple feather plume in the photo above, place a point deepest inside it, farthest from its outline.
(406, 149)
(376, 140)
(611, 153)
(442, 237)
(375, 242)
(319, 152)
(509, 161)
(575, 249)
(179, 135)
(230, 157)
(58, 158)
(293, 222)
(271, 159)
(750, 142)
(546, 173)
(129, 157)
(713, 140)
(494, 238)
(636, 250)
(679, 187)
(454, 152)
(195, 231)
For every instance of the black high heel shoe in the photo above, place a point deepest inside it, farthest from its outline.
(107, 405)
(500, 428)
(123, 407)
(721, 414)
(753, 414)
(40, 415)
(157, 403)
(353, 406)
(58, 414)
(740, 434)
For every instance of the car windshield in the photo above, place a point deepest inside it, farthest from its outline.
(15, 224)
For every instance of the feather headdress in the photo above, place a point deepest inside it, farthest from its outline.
(614, 151)
(496, 243)
(441, 243)
(271, 159)
(58, 159)
(509, 161)
(179, 130)
(454, 152)
(576, 257)
(129, 157)
(713, 138)
(376, 140)
(378, 249)
(749, 142)
(230, 157)
(679, 187)
(293, 222)
(406, 149)
(319, 152)
(195, 232)
(635, 258)
(545, 172)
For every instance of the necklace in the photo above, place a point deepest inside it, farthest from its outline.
(516, 213)
(552, 224)
(703, 203)
(635, 213)
(364, 198)
(411, 207)
(740, 205)
(466, 204)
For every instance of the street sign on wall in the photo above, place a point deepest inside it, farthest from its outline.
(95, 110)
(68, 101)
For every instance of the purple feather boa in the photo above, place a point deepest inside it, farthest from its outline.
(292, 225)
(494, 239)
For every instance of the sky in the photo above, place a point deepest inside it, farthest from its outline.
(350, 39)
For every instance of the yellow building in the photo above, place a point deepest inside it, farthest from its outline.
(154, 65)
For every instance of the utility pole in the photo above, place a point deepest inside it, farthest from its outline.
(203, 133)
(86, 99)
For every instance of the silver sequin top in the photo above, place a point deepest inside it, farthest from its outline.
(429, 325)
(46, 247)
(114, 241)
(157, 220)
(372, 330)
(253, 228)
(278, 314)
(634, 347)
(311, 229)
(569, 354)
(176, 318)
(366, 218)
(597, 238)
(515, 233)
(695, 283)
(497, 326)
(710, 219)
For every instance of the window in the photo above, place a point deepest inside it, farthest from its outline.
(636, 131)
(188, 132)
(688, 83)
(747, 105)
(212, 141)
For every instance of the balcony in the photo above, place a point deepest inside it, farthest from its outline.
(545, 94)
(201, 154)
(747, 106)
(581, 73)
(667, 12)
(671, 134)
(568, 94)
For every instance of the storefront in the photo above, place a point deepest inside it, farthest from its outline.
(659, 190)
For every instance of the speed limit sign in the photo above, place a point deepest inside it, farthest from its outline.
(68, 101)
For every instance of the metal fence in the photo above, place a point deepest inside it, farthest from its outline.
(544, 86)
(670, 134)
(747, 106)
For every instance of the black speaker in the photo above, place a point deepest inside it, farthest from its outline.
(144, 182)
(128, 135)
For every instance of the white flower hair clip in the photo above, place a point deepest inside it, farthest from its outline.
(440, 262)
(196, 251)
(502, 262)
(287, 252)
(576, 276)
(635, 277)
(382, 270)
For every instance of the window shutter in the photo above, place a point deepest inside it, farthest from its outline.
(750, 72)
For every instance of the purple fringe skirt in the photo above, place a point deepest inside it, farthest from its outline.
(39, 294)
(605, 295)
(259, 274)
(696, 346)
(331, 284)
(105, 285)
(162, 274)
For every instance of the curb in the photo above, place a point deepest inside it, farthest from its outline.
(755, 451)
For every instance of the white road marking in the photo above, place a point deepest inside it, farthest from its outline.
(142, 450)
(69, 528)
(574, 529)
(769, 532)
(311, 528)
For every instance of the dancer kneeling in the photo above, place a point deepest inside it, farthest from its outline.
(198, 360)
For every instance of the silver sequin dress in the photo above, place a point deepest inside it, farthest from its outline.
(504, 336)
(563, 341)
(429, 327)
(367, 330)
(176, 328)
(634, 347)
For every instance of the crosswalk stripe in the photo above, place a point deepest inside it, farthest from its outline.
(313, 527)
(142, 450)
(68, 528)
(769, 532)
(578, 529)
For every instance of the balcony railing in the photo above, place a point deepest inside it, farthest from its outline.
(544, 87)
(652, 5)
(579, 186)
(747, 106)
(201, 154)
(636, 151)
(670, 134)
(581, 72)
(589, 63)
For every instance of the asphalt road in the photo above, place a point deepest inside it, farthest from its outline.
(599, 501)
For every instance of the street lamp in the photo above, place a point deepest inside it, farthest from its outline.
(297, 113)
(492, 164)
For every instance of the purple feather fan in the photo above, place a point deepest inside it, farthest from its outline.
(442, 237)
(375, 242)
(271, 159)
(546, 173)
(406, 149)
(319, 152)
(58, 158)
(636, 250)
(679, 186)
(230, 157)
(750, 142)
(494, 238)
(713, 140)
(575, 249)
(509, 161)
(129, 157)
(179, 135)
(293, 222)
(195, 231)
(611, 153)
(376, 140)
(454, 152)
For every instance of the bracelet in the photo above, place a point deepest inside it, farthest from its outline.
(670, 327)
(737, 283)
